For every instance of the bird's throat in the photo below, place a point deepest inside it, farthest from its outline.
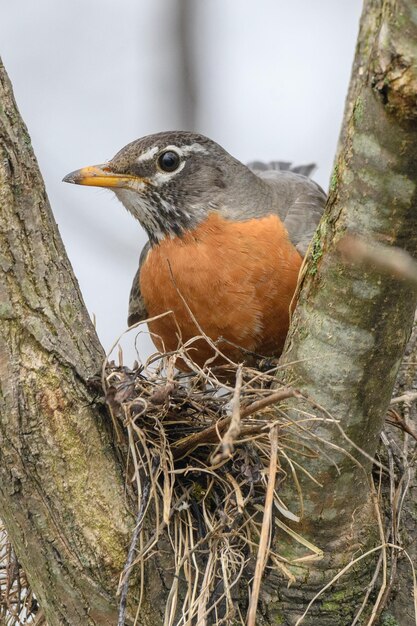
(160, 218)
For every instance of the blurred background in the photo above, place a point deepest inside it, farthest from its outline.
(266, 79)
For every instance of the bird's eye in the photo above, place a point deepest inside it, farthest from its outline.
(169, 161)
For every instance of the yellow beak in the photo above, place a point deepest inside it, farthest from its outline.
(98, 176)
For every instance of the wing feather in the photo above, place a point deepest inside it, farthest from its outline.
(137, 310)
(297, 199)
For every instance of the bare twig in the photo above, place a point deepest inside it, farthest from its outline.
(130, 556)
(397, 420)
(233, 432)
(265, 537)
(407, 398)
(273, 398)
(211, 434)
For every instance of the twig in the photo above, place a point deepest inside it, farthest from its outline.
(408, 398)
(265, 537)
(140, 323)
(211, 433)
(382, 596)
(341, 573)
(130, 556)
(225, 449)
(274, 398)
(397, 420)
(369, 590)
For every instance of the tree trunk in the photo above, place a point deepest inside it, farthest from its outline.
(351, 324)
(62, 493)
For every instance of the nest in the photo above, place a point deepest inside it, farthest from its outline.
(208, 459)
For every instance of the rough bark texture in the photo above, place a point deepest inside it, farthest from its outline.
(351, 326)
(400, 453)
(61, 490)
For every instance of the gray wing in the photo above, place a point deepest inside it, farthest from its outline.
(137, 310)
(297, 199)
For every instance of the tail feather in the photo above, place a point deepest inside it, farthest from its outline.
(260, 166)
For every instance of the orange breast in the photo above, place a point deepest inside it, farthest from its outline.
(238, 279)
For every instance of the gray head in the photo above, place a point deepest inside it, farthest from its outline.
(171, 181)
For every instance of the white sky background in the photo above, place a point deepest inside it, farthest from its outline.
(92, 75)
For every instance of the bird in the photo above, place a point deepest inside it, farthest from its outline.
(225, 243)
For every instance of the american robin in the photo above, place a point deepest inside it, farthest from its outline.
(226, 241)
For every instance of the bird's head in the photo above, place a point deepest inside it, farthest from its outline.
(169, 181)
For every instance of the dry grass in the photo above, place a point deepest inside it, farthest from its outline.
(201, 451)
(17, 604)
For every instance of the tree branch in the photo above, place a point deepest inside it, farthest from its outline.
(61, 489)
(352, 323)
(351, 326)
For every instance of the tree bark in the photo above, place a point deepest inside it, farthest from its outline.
(351, 325)
(399, 452)
(62, 493)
